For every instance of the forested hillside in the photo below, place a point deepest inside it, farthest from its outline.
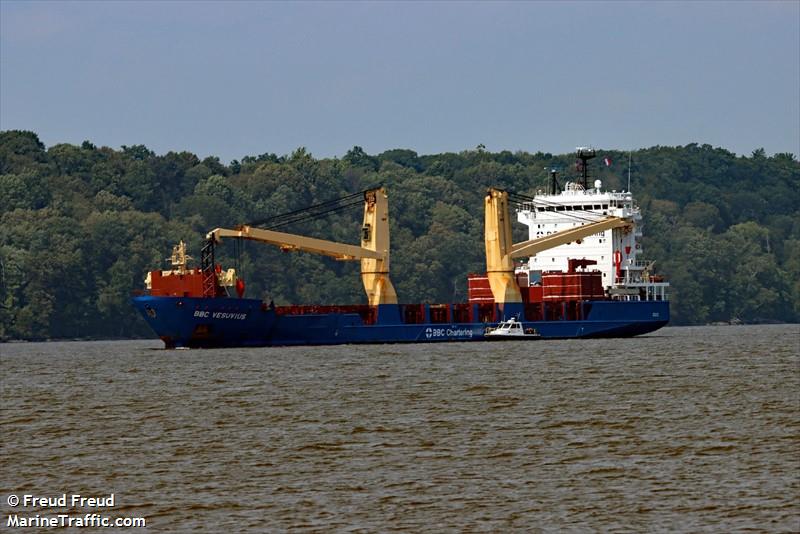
(81, 226)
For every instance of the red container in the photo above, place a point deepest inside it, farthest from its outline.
(176, 285)
(572, 286)
(534, 293)
(478, 289)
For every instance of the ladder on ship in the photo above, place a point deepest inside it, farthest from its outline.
(207, 268)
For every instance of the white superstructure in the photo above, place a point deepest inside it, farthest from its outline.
(617, 252)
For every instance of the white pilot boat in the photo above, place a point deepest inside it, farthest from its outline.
(511, 329)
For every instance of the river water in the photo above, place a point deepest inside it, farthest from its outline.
(686, 429)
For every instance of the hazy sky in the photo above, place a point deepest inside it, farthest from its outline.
(243, 78)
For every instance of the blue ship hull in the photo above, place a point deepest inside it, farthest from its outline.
(233, 322)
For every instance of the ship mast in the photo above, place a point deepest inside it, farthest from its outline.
(585, 154)
(630, 155)
(555, 188)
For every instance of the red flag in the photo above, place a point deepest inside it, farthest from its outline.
(607, 161)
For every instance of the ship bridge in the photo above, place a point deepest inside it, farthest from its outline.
(626, 275)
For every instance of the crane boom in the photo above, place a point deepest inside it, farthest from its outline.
(373, 252)
(288, 242)
(535, 246)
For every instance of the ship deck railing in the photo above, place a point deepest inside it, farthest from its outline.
(644, 290)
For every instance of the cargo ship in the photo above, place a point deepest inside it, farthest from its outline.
(579, 275)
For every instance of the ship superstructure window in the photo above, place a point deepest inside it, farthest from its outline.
(585, 207)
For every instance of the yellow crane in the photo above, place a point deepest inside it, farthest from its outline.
(501, 251)
(373, 251)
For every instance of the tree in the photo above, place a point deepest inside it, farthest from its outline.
(137, 152)
(358, 158)
(19, 151)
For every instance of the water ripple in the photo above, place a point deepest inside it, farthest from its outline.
(690, 429)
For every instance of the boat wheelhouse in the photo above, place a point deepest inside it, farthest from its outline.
(625, 275)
